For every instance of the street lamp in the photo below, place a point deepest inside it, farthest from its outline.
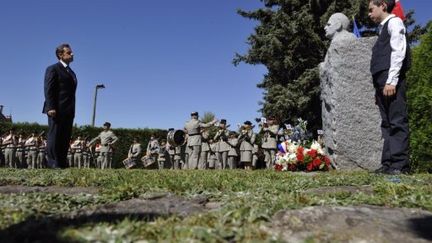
(99, 86)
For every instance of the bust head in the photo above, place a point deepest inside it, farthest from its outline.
(337, 24)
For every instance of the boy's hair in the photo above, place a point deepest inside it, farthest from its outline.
(390, 4)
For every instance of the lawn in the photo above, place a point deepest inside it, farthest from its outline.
(243, 202)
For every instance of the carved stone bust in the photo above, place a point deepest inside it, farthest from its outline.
(336, 28)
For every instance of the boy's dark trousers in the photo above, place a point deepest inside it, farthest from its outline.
(394, 122)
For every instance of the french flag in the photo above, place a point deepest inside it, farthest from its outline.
(398, 10)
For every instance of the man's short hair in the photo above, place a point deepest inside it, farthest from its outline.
(60, 49)
(390, 4)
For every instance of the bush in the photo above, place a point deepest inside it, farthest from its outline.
(420, 102)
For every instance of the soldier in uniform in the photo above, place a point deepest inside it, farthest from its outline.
(70, 155)
(161, 159)
(212, 156)
(78, 147)
(31, 145)
(10, 142)
(177, 157)
(221, 139)
(186, 151)
(247, 142)
(153, 148)
(134, 153)
(269, 145)
(255, 155)
(97, 159)
(41, 156)
(86, 154)
(20, 152)
(232, 153)
(171, 150)
(205, 148)
(107, 139)
(193, 129)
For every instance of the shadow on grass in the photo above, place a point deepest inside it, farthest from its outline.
(46, 229)
(422, 227)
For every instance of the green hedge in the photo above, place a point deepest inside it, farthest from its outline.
(420, 102)
(121, 147)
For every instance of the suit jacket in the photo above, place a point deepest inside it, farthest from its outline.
(59, 88)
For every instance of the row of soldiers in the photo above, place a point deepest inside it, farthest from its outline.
(231, 148)
(16, 151)
(225, 150)
(97, 152)
(19, 152)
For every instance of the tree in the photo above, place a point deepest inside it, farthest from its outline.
(290, 41)
(420, 100)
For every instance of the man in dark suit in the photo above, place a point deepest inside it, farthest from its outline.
(59, 88)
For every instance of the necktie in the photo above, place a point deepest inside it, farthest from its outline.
(71, 73)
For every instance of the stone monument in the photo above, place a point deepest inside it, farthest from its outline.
(351, 120)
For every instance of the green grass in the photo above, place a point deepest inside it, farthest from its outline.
(248, 198)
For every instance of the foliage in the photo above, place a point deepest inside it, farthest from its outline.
(121, 147)
(420, 101)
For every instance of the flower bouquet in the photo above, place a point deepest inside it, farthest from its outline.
(292, 156)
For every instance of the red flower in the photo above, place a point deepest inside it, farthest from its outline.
(312, 153)
(300, 156)
(327, 161)
(278, 167)
(309, 167)
(292, 167)
(316, 162)
(300, 149)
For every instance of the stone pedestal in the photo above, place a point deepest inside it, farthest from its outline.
(351, 120)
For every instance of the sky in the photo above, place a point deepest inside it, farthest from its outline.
(159, 60)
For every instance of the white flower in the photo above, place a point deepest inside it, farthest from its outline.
(315, 145)
(293, 157)
(292, 148)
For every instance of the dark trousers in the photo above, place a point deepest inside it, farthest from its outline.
(394, 123)
(59, 135)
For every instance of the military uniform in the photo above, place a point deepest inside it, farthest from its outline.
(70, 157)
(31, 145)
(205, 148)
(223, 147)
(153, 148)
(86, 154)
(107, 139)
(177, 157)
(232, 153)
(162, 156)
(134, 153)
(20, 153)
(212, 156)
(255, 152)
(77, 148)
(10, 142)
(41, 157)
(247, 141)
(97, 159)
(194, 142)
(269, 144)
